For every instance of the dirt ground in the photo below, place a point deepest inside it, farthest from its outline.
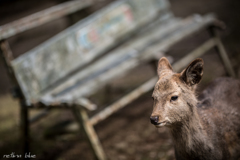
(127, 134)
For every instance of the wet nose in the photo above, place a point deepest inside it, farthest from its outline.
(154, 120)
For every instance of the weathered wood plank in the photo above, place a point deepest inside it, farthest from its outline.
(47, 64)
(131, 55)
(42, 17)
(116, 57)
(65, 103)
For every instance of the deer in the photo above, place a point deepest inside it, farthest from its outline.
(204, 126)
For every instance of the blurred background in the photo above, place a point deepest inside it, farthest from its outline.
(127, 134)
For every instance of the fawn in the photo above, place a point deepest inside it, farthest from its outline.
(207, 128)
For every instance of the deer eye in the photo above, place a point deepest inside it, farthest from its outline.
(174, 98)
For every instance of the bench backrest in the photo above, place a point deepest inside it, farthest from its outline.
(51, 62)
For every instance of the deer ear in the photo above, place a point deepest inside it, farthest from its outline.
(193, 73)
(164, 66)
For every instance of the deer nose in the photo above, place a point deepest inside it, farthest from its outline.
(154, 120)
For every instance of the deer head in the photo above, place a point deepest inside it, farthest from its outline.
(174, 93)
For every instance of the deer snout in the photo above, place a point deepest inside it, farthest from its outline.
(154, 119)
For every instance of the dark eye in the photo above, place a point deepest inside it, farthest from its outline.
(152, 98)
(174, 98)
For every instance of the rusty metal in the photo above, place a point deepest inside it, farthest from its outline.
(42, 17)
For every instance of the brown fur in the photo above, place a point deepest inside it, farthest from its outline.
(207, 128)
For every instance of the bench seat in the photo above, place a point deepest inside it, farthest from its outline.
(145, 46)
(41, 69)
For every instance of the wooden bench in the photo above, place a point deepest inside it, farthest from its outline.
(65, 70)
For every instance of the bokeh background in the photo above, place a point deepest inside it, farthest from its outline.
(127, 134)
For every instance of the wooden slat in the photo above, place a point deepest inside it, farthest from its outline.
(65, 103)
(42, 17)
(139, 50)
(116, 57)
(64, 54)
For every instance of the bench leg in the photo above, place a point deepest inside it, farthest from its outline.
(83, 121)
(222, 52)
(24, 127)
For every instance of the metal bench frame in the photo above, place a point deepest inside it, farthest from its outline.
(79, 112)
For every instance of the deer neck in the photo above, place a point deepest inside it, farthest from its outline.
(189, 134)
